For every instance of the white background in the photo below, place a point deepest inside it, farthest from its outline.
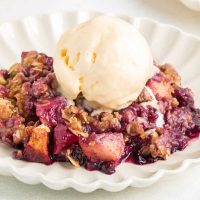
(180, 187)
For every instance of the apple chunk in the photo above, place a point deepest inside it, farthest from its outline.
(105, 146)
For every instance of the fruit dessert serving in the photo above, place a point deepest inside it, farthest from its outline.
(100, 101)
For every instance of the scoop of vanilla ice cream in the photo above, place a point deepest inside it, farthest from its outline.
(106, 59)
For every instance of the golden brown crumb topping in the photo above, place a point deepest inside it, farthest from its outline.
(74, 162)
(76, 118)
(144, 96)
(135, 128)
(6, 109)
(171, 74)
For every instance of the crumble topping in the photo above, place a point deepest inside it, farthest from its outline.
(6, 109)
(44, 126)
(76, 117)
(74, 162)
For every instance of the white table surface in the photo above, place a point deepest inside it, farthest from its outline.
(180, 187)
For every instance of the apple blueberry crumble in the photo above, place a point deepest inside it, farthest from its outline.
(43, 126)
(100, 101)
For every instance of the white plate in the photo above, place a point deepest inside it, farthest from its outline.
(192, 4)
(168, 44)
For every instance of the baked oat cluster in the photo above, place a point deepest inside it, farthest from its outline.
(44, 127)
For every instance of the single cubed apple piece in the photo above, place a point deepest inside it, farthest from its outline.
(160, 86)
(36, 149)
(106, 146)
(63, 138)
(6, 109)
